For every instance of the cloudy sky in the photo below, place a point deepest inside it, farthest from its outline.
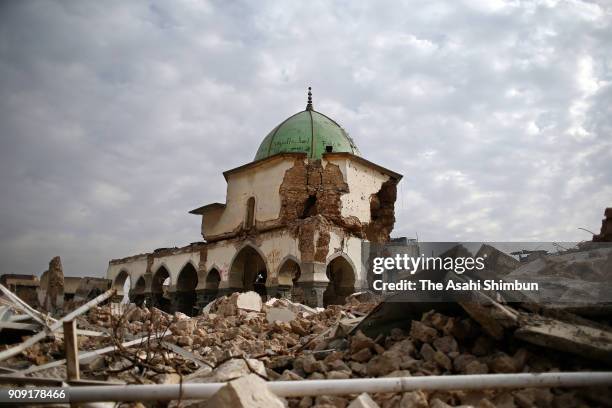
(117, 118)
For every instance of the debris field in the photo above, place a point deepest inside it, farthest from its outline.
(278, 340)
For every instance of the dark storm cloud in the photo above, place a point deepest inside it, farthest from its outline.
(117, 118)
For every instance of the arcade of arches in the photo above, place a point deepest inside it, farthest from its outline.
(247, 272)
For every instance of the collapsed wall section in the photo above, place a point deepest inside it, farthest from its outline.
(314, 189)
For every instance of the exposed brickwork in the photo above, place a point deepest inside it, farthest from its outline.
(308, 189)
(305, 231)
(382, 212)
(311, 202)
(322, 247)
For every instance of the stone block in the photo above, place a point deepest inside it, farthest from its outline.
(249, 391)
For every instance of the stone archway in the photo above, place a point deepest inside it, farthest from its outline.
(159, 289)
(341, 275)
(122, 284)
(288, 276)
(138, 294)
(248, 271)
(211, 288)
(185, 296)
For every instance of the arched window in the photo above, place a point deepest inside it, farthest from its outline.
(250, 215)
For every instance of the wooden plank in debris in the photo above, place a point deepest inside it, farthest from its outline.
(72, 351)
(13, 351)
(585, 341)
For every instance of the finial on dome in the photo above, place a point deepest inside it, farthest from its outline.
(309, 104)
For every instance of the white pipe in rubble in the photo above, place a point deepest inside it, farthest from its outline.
(165, 392)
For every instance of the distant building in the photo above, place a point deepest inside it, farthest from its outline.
(24, 286)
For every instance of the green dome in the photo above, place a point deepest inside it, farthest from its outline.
(307, 132)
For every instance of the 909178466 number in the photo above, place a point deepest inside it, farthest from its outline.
(30, 394)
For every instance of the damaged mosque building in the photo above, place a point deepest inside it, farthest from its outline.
(292, 225)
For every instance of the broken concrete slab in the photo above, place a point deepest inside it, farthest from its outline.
(363, 401)
(249, 391)
(398, 311)
(346, 326)
(229, 306)
(249, 301)
(586, 341)
(572, 277)
(492, 316)
(231, 369)
(280, 314)
(293, 306)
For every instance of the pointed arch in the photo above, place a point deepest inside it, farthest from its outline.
(186, 283)
(122, 284)
(341, 273)
(160, 286)
(288, 275)
(213, 278)
(248, 270)
(138, 293)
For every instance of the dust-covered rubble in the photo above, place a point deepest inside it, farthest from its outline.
(240, 336)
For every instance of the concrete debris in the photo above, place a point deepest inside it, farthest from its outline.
(245, 342)
(233, 368)
(279, 314)
(229, 305)
(363, 401)
(249, 391)
(492, 316)
(591, 342)
(293, 306)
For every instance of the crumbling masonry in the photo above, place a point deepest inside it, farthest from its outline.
(292, 225)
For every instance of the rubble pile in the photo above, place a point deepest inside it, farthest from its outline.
(282, 340)
(243, 341)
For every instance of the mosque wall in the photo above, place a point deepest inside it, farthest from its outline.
(262, 183)
(363, 182)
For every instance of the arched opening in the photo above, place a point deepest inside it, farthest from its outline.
(122, 284)
(288, 275)
(250, 214)
(138, 294)
(211, 290)
(185, 297)
(341, 281)
(159, 289)
(248, 272)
